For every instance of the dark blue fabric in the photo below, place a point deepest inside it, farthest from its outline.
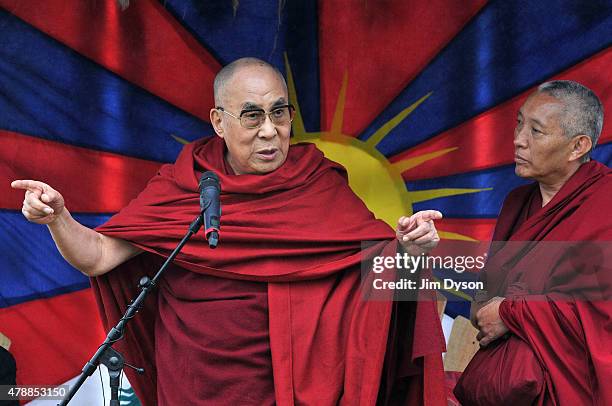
(52, 92)
(507, 48)
(31, 267)
(265, 30)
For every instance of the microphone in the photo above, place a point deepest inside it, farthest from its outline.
(210, 206)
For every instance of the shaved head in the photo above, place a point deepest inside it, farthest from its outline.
(226, 74)
(250, 86)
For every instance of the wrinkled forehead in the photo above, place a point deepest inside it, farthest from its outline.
(255, 86)
(543, 106)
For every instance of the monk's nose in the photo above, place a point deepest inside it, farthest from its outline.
(520, 137)
(267, 129)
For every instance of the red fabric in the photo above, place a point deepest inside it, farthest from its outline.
(550, 302)
(143, 44)
(351, 50)
(103, 186)
(220, 339)
(478, 138)
(63, 353)
(300, 230)
(517, 378)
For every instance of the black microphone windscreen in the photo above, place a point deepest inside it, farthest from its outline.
(209, 178)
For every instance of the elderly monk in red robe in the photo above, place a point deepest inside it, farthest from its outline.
(274, 315)
(546, 335)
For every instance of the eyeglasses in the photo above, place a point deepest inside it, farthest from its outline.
(251, 119)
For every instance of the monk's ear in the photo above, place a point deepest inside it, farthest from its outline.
(216, 119)
(581, 145)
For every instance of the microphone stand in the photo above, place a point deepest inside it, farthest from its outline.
(105, 354)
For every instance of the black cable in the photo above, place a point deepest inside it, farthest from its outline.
(120, 385)
(102, 385)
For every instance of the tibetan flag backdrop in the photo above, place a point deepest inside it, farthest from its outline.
(417, 98)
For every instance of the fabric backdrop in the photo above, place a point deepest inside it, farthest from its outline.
(417, 99)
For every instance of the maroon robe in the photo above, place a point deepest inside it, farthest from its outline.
(297, 232)
(554, 302)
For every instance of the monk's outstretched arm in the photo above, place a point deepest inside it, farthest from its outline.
(87, 250)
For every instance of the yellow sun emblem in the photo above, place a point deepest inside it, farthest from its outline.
(372, 177)
(378, 182)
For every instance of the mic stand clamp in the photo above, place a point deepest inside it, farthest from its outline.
(114, 362)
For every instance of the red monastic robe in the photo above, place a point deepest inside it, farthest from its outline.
(558, 300)
(297, 232)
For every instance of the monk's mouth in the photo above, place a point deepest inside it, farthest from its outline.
(267, 154)
(519, 160)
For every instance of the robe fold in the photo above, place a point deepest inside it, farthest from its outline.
(557, 292)
(297, 231)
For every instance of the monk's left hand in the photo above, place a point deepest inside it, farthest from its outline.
(418, 233)
(489, 323)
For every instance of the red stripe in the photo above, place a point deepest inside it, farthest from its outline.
(366, 38)
(90, 181)
(52, 338)
(486, 140)
(478, 229)
(143, 44)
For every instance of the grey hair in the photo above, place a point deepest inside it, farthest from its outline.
(228, 71)
(582, 112)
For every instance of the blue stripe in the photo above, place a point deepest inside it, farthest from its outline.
(456, 308)
(456, 305)
(30, 264)
(49, 91)
(507, 48)
(603, 153)
(485, 204)
(259, 29)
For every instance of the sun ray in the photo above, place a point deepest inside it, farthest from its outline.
(449, 235)
(372, 177)
(179, 139)
(336, 126)
(409, 163)
(298, 122)
(424, 195)
(382, 132)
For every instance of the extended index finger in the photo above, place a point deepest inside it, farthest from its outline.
(427, 215)
(31, 185)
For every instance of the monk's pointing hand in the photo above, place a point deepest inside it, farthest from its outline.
(42, 204)
(418, 233)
